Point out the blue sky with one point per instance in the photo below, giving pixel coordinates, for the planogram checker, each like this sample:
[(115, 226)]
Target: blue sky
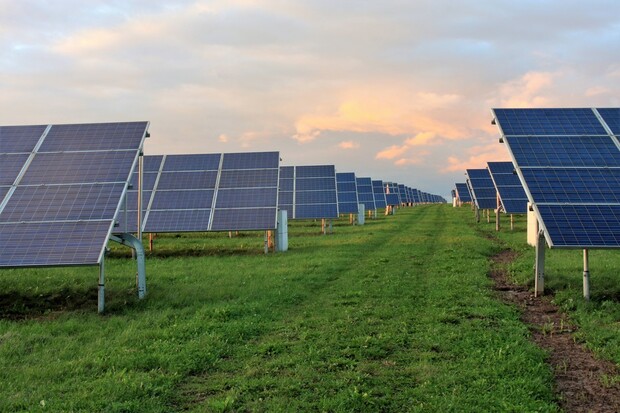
[(396, 90)]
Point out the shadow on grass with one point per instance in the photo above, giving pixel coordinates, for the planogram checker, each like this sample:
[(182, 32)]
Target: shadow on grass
[(17, 305)]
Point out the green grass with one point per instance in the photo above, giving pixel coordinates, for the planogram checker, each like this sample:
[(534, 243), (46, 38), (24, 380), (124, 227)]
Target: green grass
[(598, 319), (396, 315)]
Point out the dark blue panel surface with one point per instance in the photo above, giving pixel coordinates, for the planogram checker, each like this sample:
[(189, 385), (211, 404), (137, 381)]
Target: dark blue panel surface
[(564, 151), (392, 199), (611, 116), (152, 163), (245, 198), (247, 219), (94, 136), (347, 197), (63, 202), (148, 181), (315, 197), (515, 206), (504, 167), (483, 193), (573, 185), (79, 167), (344, 187), (14, 139), (3, 192), (287, 172), (195, 162), (10, 166), (316, 211), (582, 225), (348, 207), (345, 177), (314, 184), (573, 121), (261, 178), (32, 244), (286, 184), (285, 198), (507, 183), (315, 171), (191, 220), (186, 199), (187, 180), (378, 192), (463, 192), (252, 160)]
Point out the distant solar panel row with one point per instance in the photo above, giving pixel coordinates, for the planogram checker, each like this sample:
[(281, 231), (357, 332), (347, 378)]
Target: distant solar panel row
[(512, 195), (206, 192), (308, 192), (62, 186), (569, 161), (365, 193), (481, 188), (462, 192), (379, 193), (347, 193)]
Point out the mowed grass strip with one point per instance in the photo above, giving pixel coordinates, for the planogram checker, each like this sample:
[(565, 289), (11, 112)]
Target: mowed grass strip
[(397, 315), (599, 318)]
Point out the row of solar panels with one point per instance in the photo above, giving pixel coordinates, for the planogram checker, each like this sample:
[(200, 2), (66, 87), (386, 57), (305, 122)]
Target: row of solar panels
[(242, 191), (567, 163), (63, 188), (496, 185)]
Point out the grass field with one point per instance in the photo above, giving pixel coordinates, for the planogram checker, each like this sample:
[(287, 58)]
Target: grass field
[(396, 315)]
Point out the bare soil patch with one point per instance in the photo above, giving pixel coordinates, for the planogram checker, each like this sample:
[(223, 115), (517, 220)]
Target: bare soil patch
[(580, 378)]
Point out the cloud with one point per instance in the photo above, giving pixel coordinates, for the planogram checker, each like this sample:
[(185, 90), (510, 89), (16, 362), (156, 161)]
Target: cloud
[(223, 138), (477, 157), (530, 90), (349, 145)]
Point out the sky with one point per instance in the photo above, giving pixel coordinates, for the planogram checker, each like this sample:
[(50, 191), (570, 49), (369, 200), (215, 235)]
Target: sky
[(398, 90)]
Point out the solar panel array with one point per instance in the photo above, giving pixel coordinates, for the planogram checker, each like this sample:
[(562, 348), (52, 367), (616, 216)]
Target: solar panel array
[(365, 193), (308, 192), (379, 193), (511, 193), (569, 163), (347, 193), (481, 188), (207, 192), (462, 192), (60, 188)]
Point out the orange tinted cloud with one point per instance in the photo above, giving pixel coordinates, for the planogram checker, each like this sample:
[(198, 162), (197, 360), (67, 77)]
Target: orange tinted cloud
[(348, 145), (529, 90), (478, 157)]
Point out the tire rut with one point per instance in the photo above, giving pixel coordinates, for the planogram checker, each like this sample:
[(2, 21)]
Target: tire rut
[(579, 376)]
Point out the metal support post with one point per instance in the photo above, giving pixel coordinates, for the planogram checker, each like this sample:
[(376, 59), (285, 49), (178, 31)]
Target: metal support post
[(512, 222), (266, 242), (586, 275), (101, 288), (539, 280), (133, 242)]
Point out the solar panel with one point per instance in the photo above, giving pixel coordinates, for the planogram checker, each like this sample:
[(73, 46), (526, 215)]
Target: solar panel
[(65, 192), (392, 198), (536, 122), (462, 192), (482, 189), (379, 194), (209, 192), (347, 193), (611, 116), (312, 190), (20, 139), (512, 195), (365, 194), (571, 178)]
